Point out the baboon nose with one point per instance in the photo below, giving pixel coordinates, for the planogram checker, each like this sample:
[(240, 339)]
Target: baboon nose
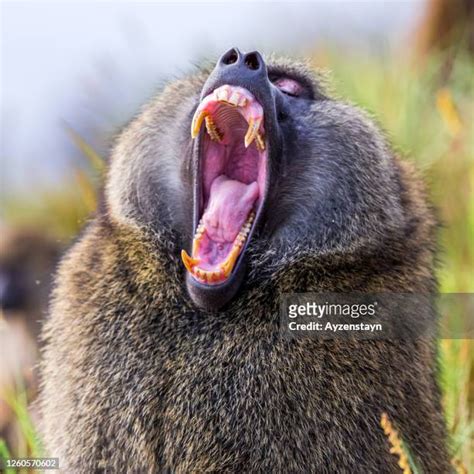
[(243, 65)]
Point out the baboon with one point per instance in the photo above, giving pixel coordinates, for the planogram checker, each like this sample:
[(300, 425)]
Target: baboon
[(163, 347)]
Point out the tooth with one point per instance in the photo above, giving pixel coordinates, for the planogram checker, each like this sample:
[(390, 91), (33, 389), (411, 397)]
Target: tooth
[(196, 241), (229, 263), (234, 99), (212, 130), (226, 269), (216, 276), (252, 131), (188, 261), (242, 101), (206, 275), (197, 122), (222, 94), (260, 142), (250, 135)]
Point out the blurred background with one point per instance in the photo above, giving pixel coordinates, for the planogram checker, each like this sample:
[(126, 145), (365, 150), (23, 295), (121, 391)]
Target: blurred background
[(72, 74)]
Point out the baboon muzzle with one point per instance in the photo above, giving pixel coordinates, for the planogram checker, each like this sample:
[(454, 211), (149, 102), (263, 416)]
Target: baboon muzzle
[(232, 128)]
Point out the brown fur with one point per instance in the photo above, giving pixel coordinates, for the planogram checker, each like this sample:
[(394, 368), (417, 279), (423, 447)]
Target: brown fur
[(137, 379)]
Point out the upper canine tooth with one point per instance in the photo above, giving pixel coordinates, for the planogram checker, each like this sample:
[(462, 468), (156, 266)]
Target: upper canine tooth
[(199, 116), (252, 131)]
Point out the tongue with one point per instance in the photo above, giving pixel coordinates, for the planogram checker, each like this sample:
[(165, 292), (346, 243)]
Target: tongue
[(230, 203)]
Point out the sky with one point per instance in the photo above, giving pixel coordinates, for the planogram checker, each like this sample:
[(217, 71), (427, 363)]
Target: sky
[(89, 65)]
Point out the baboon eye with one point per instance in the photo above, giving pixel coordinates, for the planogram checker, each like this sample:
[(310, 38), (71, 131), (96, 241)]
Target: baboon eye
[(289, 86)]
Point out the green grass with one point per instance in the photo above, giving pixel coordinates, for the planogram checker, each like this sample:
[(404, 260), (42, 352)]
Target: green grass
[(28, 443), (4, 455), (427, 112)]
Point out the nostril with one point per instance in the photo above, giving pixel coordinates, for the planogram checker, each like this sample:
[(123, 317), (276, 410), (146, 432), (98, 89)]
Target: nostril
[(252, 61), (231, 57)]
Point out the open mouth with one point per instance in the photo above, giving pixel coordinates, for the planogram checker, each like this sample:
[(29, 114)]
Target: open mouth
[(231, 181)]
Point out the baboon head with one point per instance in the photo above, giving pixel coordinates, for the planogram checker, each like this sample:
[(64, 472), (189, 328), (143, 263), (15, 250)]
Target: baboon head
[(250, 165)]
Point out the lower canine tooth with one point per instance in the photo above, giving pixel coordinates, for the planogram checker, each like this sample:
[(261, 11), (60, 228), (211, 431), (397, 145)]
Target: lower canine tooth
[(188, 261)]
